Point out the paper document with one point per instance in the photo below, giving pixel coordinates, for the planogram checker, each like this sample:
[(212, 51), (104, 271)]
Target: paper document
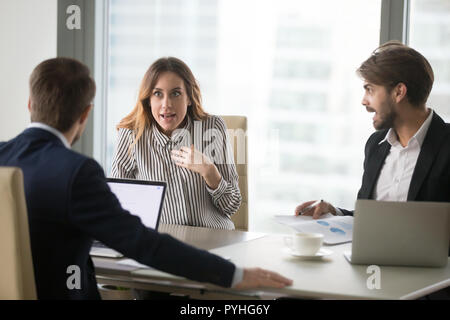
[(336, 229)]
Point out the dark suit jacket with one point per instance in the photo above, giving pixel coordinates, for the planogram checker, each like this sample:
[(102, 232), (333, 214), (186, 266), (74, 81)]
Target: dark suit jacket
[(431, 177), (70, 204)]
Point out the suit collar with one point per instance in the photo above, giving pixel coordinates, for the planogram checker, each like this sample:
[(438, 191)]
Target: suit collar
[(430, 148), (374, 164), (52, 130), (34, 133)]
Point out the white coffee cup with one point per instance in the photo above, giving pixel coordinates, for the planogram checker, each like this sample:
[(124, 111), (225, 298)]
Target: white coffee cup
[(304, 243)]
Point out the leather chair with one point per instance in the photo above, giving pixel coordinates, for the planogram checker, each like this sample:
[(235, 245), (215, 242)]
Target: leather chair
[(239, 143), (16, 265)]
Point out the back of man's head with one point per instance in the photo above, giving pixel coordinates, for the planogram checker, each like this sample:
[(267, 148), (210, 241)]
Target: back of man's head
[(393, 63), (60, 91)]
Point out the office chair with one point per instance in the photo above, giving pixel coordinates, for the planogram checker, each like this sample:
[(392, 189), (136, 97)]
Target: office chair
[(16, 265), (240, 218)]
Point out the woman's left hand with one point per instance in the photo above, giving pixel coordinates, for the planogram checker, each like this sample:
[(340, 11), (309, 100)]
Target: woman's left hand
[(194, 160)]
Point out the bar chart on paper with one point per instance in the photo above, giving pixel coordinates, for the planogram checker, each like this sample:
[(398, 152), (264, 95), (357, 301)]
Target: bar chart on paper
[(336, 229)]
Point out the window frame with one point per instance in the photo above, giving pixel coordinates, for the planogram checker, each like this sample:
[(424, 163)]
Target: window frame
[(79, 44)]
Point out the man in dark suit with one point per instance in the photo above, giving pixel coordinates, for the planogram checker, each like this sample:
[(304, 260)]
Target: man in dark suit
[(70, 204), (408, 157)]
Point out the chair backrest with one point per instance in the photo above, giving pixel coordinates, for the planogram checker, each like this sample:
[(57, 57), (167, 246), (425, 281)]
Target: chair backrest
[(16, 265), (239, 144)]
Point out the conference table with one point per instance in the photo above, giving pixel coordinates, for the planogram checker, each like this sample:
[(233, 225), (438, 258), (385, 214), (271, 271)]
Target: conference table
[(330, 277)]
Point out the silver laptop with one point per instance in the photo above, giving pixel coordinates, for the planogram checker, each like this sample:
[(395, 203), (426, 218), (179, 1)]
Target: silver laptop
[(141, 198), (400, 233)]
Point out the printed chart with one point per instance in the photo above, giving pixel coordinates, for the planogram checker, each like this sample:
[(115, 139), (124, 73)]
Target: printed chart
[(336, 229)]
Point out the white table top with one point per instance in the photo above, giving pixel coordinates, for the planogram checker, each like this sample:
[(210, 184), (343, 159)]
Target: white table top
[(331, 277)]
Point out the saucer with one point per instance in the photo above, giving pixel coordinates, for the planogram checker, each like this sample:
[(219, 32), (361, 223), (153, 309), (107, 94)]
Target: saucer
[(320, 254)]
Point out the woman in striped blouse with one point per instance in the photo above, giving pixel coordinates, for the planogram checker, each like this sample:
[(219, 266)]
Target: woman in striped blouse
[(168, 137)]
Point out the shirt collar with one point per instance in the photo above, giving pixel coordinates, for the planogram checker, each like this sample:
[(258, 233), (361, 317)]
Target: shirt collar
[(179, 135), (391, 136), (57, 133)]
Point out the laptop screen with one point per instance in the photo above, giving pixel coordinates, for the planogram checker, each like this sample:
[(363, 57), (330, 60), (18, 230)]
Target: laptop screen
[(141, 198)]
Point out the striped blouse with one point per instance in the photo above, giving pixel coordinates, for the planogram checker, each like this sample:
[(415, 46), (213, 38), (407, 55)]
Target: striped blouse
[(189, 200)]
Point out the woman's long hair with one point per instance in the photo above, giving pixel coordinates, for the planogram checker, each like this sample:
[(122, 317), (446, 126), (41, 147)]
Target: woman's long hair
[(141, 115)]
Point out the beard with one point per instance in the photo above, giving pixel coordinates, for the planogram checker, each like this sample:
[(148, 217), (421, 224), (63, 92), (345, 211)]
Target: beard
[(387, 118)]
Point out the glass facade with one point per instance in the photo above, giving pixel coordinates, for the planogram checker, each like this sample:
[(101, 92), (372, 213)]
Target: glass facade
[(430, 35), (288, 65)]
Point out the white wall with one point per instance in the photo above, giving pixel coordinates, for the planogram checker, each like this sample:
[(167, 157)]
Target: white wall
[(27, 37)]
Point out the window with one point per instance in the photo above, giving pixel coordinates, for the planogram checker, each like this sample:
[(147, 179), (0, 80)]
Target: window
[(288, 65), (430, 35)]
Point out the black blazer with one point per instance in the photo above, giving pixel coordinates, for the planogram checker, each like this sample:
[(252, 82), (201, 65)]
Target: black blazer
[(70, 204), (431, 176)]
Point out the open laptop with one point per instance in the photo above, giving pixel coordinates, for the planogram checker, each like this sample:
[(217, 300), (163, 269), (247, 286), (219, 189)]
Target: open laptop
[(400, 233), (141, 198)]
